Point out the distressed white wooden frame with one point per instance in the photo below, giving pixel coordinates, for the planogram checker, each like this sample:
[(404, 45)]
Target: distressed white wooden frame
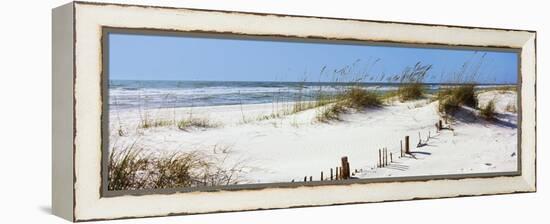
[(77, 118)]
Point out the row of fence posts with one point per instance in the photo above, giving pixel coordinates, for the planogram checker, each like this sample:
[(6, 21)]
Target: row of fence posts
[(338, 173), (383, 158), (343, 172)]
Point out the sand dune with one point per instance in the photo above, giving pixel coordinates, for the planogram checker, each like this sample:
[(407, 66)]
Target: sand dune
[(290, 147)]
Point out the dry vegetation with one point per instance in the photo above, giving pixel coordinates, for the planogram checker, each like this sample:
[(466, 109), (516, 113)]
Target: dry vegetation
[(133, 168), (193, 122), (354, 98), (488, 111), (411, 78), (452, 98), (511, 108)]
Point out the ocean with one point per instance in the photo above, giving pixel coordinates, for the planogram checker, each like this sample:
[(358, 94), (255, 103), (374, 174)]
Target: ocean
[(132, 94)]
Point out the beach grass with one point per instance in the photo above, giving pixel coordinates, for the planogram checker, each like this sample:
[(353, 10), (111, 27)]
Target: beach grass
[(411, 79), (488, 111), (147, 123), (124, 168), (330, 112), (195, 122), (410, 91), (452, 98), (353, 98), (511, 108), (132, 168), (360, 98)]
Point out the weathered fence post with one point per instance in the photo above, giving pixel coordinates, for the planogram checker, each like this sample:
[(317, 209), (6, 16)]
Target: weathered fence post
[(379, 158), (305, 179), (391, 157), (385, 157), (310, 178), (387, 154), (337, 174), (321, 175), (407, 145), (331, 174), (345, 168), (401, 147)]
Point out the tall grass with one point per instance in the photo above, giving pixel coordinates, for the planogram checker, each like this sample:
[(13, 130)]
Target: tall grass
[(124, 168), (330, 112), (359, 98), (132, 168), (452, 98), (411, 79), (354, 98)]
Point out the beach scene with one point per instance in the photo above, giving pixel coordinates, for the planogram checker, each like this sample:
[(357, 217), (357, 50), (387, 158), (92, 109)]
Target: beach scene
[(191, 111)]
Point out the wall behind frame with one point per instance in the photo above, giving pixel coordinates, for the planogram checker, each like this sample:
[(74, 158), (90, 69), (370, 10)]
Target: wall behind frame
[(62, 111)]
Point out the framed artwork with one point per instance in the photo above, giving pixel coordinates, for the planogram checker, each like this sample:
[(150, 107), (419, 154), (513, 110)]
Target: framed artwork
[(165, 111)]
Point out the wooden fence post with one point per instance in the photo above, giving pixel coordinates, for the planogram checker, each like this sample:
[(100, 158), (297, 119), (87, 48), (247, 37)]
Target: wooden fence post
[(337, 174), (407, 145), (387, 154), (383, 160), (379, 158), (391, 157), (305, 179), (345, 168), (401, 147), (321, 175), (310, 178), (331, 174)]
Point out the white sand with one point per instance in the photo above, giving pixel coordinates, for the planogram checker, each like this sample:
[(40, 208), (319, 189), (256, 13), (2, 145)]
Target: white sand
[(294, 146)]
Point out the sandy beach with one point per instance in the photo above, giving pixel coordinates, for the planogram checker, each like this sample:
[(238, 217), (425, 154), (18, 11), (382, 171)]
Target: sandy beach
[(287, 148)]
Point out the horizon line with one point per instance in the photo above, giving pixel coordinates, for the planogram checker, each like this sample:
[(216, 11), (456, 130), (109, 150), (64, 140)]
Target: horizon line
[(328, 82)]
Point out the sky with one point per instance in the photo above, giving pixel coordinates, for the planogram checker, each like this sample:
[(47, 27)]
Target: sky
[(156, 57)]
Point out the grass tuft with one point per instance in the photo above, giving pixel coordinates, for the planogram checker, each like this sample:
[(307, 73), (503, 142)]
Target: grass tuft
[(511, 108), (330, 112), (488, 112), (146, 123), (192, 122), (359, 98), (355, 97), (124, 169), (133, 169), (410, 91), (452, 98)]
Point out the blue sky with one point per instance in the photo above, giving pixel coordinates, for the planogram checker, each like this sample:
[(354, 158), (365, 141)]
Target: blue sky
[(151, 57)]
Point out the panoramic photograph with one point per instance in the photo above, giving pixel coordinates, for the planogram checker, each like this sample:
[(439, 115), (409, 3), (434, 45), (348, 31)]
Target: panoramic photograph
[(201, 111)]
